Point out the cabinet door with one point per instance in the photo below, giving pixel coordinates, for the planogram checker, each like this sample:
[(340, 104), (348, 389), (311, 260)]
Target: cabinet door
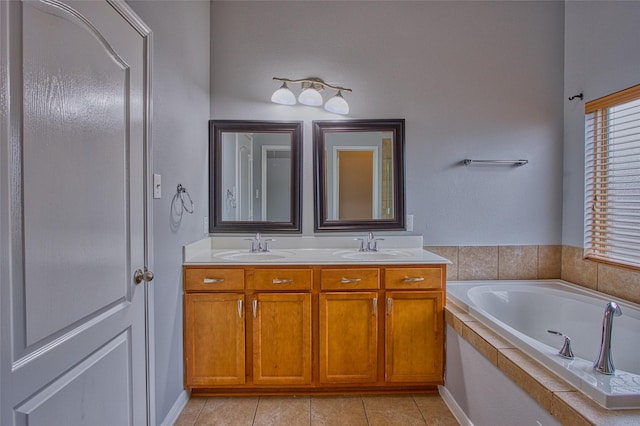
[(414, 337), (281, 338), (348, 337), (214, 346)]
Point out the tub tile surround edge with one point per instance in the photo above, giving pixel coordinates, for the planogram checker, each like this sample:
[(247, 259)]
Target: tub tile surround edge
[(526, 262), (613, 280), (508, 262), (558, 397)]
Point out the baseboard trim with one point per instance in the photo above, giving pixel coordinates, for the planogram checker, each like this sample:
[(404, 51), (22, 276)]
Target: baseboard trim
[(455, 409), (176, 409)]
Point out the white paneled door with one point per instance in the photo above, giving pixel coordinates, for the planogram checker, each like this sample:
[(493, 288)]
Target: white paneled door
[(74, 106)]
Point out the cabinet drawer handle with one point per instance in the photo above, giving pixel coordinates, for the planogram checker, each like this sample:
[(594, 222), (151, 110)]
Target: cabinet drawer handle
[(350, 280), (240, 308), (282, 281), (413, 279), (375, 306), (213, 280)]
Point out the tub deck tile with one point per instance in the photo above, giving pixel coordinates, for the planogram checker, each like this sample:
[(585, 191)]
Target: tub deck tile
[(537, 371), (456, 317), (484, 340), (481, 345), (570, 406), (460, 314)]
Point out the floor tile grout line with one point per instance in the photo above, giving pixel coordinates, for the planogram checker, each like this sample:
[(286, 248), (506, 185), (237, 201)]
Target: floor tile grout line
[(255, 411), (413, 398), (364, 407), (200, 411)]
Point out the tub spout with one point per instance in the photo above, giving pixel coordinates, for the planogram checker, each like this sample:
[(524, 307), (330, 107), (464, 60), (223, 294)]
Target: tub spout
[(604, 362)]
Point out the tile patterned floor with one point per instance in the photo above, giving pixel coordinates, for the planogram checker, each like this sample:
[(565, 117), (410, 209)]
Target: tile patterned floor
[(401, 410)]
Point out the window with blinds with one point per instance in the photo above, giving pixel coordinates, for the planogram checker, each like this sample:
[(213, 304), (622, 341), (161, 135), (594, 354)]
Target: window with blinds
[(612, 198)]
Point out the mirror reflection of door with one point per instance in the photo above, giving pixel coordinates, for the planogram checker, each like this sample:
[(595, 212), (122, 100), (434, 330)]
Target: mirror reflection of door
[(256, 177), (386, 201), (276, 183), (360, 176), (356, 193), (355, 184), (244, 177), (237, 180)]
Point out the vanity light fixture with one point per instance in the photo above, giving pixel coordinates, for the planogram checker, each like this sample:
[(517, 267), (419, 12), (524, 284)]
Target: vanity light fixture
[(310, 94), (283, 96), (337, 104)]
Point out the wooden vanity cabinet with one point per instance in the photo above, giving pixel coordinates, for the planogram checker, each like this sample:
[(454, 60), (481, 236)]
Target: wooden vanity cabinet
[(349, 325), (316, 328), (214, 327), (281, 326), (414, 329)]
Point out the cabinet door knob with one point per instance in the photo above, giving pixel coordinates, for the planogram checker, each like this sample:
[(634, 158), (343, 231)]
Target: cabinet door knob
[(350, 280), (389, 305), (413, 279), (375, 306), (213, 280), (255, 307), (240, 308)]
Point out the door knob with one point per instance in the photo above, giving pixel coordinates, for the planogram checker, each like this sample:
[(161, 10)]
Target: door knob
[(139, 276)]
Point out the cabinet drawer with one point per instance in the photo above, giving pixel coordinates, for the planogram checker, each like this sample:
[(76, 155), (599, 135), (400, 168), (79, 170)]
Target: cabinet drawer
[(345, 279), (408, 278), (213, 279), (280, 279)]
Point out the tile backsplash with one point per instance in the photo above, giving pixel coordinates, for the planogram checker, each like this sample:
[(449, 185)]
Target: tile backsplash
[(539, 262)]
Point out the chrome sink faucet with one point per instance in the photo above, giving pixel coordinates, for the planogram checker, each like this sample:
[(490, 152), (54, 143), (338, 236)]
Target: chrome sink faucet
[(371, 243), (259, 244), (604, 362)]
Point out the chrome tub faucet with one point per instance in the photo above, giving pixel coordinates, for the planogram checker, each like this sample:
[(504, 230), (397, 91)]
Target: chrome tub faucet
[(565, 351), (604, 363)]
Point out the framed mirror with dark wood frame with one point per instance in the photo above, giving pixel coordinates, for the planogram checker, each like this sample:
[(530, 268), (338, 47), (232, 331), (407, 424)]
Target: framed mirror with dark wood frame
[(359, 175), (255, 170)]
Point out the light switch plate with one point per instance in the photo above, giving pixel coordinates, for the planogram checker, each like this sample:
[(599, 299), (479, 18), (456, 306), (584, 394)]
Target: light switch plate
[(157, 185)]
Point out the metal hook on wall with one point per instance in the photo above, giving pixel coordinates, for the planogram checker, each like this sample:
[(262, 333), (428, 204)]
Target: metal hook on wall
[(578, 96)]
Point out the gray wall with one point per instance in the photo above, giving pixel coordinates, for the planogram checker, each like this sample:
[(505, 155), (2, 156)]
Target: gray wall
[(602, 56), (472, 79), (180, 134)]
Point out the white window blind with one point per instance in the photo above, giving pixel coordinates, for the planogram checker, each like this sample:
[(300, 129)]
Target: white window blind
[(612, 225)]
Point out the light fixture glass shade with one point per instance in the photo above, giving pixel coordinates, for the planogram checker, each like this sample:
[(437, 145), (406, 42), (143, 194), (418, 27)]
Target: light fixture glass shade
[(310, 96), (283, 96), (337, 104)]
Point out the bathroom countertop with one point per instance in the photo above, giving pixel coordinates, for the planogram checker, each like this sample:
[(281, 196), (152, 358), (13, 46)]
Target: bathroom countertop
[(287, 250)]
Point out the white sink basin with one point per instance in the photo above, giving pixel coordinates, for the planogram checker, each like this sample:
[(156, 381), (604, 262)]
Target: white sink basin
[(372, 255), (246, 256)]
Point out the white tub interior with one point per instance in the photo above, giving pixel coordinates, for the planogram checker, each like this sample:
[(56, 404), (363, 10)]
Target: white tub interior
[(523, 311)]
